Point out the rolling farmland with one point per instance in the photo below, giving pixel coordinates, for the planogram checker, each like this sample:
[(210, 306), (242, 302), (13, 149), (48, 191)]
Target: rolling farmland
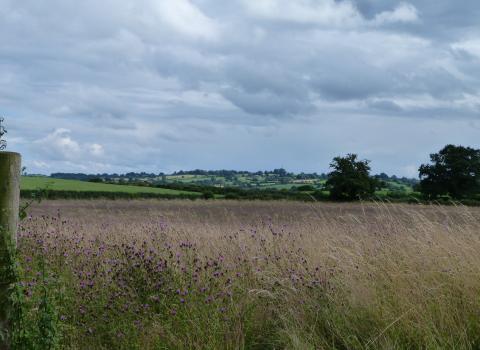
[(34, 183)]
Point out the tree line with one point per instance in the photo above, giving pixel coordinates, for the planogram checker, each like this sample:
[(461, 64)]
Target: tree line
[(453, 173)]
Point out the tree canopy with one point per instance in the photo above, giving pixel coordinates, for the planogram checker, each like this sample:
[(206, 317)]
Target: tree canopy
[(350, 178), (455, 171)]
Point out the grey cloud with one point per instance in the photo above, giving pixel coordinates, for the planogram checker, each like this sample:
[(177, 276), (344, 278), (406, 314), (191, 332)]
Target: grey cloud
[(167, 75), (354, 81), (443, 20), (384, 106), (267, 103)]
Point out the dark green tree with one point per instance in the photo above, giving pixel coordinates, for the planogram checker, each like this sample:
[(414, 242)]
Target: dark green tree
[(455, 171), (208, 195), (350, 178)]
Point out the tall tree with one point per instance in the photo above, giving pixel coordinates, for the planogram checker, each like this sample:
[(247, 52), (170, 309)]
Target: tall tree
[(350, 178), (455, 171)]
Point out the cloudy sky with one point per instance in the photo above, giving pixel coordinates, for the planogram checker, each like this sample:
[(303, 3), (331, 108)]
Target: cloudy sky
[(162, 85)]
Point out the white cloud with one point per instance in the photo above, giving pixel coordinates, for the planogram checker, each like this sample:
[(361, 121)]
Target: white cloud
[(403, 13), (186, 18), (320, 12), (96, 149), (40, 164), (331, 13), (60, 145), (471, 46)]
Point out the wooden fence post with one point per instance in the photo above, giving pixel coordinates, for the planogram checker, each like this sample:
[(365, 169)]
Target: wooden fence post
[(10, 167)]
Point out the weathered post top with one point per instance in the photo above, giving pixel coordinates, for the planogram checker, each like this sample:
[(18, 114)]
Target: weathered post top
[(3, 131)]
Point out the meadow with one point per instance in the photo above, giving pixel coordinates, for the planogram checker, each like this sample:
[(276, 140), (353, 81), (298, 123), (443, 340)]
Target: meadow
[(34, 183), (251, 275)]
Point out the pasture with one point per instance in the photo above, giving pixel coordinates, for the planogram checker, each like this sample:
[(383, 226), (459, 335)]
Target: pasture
[(43, 182), (254, 275)]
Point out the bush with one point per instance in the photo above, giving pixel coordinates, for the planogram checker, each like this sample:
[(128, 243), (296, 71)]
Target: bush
[(208, 195), (305, 188)]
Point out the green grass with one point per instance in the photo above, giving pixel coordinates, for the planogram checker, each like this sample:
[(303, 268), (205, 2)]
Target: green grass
[(34, 183), (242, 181), (278, 186)]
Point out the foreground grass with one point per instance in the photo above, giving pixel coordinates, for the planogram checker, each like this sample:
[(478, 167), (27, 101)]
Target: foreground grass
[(225, 275), (37, 182)]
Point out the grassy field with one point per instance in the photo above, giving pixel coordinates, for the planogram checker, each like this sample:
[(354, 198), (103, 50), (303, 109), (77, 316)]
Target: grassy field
[(33, 183), (243, 181), (251, 275), (76, 189)]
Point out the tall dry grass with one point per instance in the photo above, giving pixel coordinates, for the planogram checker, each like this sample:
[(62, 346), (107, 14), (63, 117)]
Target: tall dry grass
[(256, 275)]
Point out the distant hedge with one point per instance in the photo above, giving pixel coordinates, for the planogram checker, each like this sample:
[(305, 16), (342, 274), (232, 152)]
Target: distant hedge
[(229, 194), (247, 194), (235, 194), (56, 194)]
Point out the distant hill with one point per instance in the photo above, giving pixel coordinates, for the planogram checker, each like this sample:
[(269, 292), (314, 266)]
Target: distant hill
[(273, 179)]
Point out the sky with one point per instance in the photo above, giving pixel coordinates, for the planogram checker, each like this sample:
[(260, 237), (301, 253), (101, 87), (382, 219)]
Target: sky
[(163, 85)]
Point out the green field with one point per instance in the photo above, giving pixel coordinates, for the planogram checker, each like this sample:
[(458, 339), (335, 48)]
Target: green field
[(34, 183), (242, 181), (252, 187)]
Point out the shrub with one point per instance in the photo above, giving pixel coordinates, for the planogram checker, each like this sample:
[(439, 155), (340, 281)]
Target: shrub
[(208, 195)]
